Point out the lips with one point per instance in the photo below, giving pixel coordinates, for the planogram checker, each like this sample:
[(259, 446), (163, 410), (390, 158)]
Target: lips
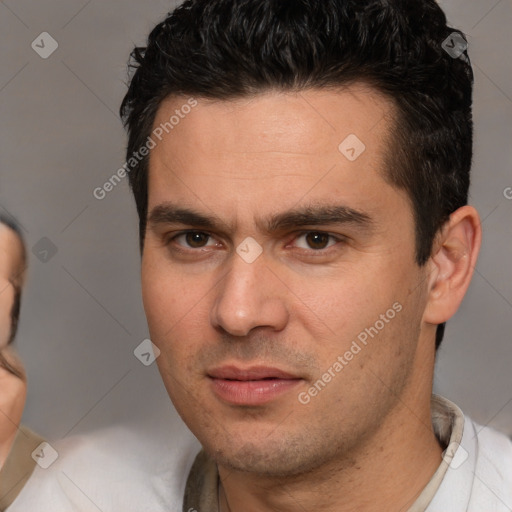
[(253, 373), (251, 386)]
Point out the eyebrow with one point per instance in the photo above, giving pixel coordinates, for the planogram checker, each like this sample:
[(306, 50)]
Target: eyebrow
[(310, 215), (318, 215)]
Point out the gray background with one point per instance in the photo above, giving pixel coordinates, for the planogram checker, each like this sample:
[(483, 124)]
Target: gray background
[(82, 316)]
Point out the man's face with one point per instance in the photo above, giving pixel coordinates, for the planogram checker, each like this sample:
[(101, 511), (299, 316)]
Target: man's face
[(245, 340), (11, 257)]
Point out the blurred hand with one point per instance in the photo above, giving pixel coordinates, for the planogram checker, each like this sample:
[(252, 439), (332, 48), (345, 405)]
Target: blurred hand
[(13, 392)]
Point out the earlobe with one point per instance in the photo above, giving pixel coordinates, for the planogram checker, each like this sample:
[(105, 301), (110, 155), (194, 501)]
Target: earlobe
[(452, 263)]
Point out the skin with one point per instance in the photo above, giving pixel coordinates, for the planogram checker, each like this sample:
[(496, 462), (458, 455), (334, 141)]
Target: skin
[(13, 389), (366, 438), (12, 402), (11, 273)]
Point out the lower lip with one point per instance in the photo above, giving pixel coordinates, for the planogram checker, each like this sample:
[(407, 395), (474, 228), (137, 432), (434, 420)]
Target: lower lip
[(252, 392)]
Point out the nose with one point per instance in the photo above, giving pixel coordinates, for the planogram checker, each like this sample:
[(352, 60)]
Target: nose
[(249, 296)]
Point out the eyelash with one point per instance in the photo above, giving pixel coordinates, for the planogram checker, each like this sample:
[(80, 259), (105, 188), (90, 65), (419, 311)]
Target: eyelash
[(178, 248)]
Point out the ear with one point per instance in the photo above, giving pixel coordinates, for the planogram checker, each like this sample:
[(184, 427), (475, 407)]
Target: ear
[(452, 263)]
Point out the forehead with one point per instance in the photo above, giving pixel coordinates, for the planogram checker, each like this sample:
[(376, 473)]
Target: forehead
[(317, 142), (282, 120)]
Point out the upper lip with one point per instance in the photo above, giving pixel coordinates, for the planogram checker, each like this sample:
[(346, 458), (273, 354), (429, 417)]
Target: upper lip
[(252, 373)]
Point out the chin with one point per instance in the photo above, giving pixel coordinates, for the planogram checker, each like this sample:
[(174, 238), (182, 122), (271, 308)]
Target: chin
[(277, 458)]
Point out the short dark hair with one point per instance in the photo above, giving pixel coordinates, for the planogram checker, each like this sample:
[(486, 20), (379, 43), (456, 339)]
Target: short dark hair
[(227, 49)]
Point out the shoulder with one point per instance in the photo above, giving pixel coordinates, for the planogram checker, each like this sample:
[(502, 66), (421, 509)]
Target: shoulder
[(117, 468), (479, 475), (478, 462), (493, 468)]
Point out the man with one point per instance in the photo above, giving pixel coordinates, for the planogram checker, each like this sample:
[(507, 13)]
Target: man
[(301, 172), (16, 442)]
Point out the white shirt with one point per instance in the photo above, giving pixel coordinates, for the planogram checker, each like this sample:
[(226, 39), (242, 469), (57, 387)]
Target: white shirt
[(122, 469), (479, 477)]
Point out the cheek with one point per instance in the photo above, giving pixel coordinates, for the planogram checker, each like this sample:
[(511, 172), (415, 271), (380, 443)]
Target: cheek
[(347, 301), (361, 304), (174, 307), (160, 288)]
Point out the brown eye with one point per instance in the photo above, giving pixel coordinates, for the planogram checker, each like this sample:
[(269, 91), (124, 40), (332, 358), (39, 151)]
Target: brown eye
[(191, 240), (317, 240), (196, 240)]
